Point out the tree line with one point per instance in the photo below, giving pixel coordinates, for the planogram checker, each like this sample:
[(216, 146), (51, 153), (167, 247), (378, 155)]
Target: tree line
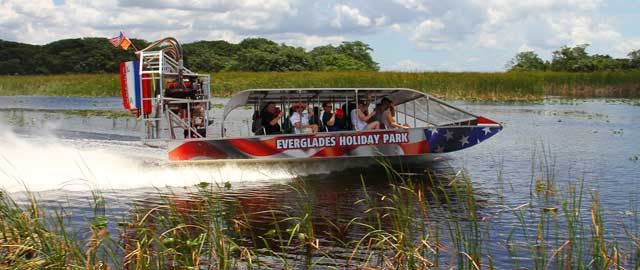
[(573, 59), (97, 55)]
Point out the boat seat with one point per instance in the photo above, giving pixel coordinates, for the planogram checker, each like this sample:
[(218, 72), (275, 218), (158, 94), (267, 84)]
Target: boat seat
[(256, 124)]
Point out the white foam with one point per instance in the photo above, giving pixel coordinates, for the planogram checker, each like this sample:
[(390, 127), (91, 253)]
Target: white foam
[(47, 163)]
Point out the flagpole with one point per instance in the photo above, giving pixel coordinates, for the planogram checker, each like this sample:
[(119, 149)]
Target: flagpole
[(133, 45), (130, 41)]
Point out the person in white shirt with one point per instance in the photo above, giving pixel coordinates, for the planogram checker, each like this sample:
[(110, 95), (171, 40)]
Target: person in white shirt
[(300, 119), (360, 120), (388, 120)]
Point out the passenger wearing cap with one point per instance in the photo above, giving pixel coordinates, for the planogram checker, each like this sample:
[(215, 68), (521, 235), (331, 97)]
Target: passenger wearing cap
[(359, 118), (300, 119)]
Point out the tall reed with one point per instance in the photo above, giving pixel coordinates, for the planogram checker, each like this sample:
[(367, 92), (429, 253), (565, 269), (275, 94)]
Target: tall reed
[(422, 220), (496, 86)]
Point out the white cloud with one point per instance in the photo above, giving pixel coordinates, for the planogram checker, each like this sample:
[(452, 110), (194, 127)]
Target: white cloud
[(429, 34), (285, 6), (624, 47), (347, 17), (508, 24), (457, 25), (41, 21), (380, 21), (396, 27), (488, 40), (581, 29), (525, 48), (418, 5), (307, 41)]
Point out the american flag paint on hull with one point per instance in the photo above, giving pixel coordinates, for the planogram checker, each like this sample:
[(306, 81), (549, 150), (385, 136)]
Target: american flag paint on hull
[(411, 142)]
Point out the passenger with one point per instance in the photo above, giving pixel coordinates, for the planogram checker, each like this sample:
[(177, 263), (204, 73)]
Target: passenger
[(388, 120), (270, 118), (341, 122), (346, 109), (300, 119), (314, 118), (379, 111), (328, 118), (197, 122), (359, 118)]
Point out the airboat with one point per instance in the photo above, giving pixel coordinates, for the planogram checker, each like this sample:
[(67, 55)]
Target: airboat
[(174, 104)]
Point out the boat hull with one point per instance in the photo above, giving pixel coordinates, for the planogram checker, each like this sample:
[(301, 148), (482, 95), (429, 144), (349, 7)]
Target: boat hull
[(411, 142)]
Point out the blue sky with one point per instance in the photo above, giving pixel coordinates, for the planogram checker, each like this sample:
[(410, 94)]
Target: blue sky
[(454, 35)]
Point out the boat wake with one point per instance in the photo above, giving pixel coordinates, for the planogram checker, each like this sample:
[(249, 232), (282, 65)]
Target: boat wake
[(48, 162)]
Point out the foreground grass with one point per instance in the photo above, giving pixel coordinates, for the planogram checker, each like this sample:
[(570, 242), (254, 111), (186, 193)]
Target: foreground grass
[(463, 86), (419, 222)]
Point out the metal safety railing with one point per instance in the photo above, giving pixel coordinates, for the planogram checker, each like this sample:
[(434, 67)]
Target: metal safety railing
[(167, 114)]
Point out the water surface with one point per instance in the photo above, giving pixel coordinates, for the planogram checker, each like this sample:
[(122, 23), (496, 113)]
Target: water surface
[(51, 149)]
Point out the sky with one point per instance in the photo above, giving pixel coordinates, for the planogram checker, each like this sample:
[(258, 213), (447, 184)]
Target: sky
[(406, 35)]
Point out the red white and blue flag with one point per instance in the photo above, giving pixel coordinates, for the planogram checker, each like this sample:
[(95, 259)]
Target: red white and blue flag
[(115, 41)]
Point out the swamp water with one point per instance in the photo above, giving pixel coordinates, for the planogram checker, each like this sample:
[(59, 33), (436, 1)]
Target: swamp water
[(502, 203)]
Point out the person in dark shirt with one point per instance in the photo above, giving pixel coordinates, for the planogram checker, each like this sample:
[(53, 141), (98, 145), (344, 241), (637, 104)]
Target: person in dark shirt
[(270, 119), (328, 118)]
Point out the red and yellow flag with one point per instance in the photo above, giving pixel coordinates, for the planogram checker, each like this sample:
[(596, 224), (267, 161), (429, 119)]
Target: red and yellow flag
[(121, 41), (125, 43)]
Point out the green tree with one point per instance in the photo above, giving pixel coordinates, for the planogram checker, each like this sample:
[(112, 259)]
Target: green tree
[(347, 56), (574, 59), (17, 58), (293, 59), (359, 51), (634, 59), (95, 55), (606, 62), (256, 60), (526, 61), (207, 56), (335, 62), (323, 50), (261, 44)]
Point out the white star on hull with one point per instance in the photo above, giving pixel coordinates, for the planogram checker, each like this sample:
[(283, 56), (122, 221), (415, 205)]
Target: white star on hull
[(449, 135), (464, 140)]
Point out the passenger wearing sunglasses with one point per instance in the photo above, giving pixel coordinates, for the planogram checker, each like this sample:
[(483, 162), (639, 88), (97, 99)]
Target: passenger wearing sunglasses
[(328, 118)]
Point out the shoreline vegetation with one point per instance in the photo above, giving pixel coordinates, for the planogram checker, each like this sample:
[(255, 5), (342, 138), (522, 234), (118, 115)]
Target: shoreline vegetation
[(471, 86), (88, 67), (423, 221)]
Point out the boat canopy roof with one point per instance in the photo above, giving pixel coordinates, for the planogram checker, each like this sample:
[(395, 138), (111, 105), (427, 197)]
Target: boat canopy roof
[(289, 95)]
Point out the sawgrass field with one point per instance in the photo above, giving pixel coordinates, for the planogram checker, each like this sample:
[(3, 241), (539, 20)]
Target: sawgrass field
[(497, 86)]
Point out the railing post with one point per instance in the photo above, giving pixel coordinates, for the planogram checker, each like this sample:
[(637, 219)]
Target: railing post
[(189, 124), (415, 122), (404, 109), (428, 102)]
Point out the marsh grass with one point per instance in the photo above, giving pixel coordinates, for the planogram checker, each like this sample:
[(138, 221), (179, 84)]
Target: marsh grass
[(34, 238), (79, 113), (421, 221), (475, 86), (61, 85)]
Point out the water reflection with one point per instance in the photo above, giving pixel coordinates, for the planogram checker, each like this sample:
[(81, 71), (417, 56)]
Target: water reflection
[(334, 219)]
